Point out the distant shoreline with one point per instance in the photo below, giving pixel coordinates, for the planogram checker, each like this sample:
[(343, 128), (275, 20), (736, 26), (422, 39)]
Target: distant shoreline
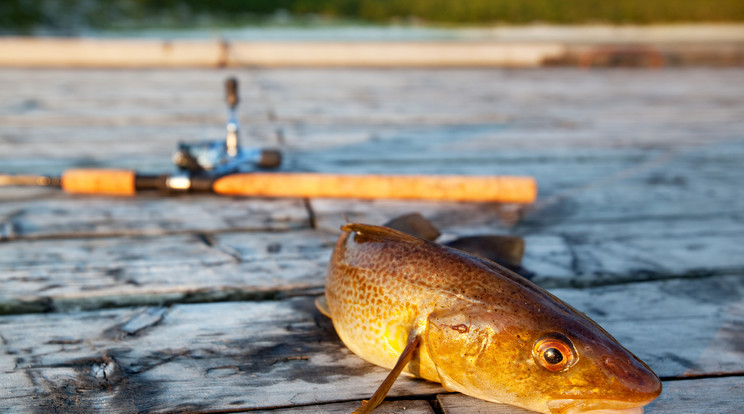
[(526, 46), (534, 33)]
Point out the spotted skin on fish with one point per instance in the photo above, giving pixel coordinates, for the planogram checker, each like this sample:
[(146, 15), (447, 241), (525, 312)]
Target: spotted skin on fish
[(414, 306)]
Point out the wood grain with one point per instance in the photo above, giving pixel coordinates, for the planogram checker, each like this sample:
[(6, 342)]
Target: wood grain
[(638, 224), (99, 216), (387, 407), (63, 275), (60, 52), (710, 395), (188, 357), (238, 355)]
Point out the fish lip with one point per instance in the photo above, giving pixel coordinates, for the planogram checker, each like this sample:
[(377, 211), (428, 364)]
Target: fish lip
[(589, 406)]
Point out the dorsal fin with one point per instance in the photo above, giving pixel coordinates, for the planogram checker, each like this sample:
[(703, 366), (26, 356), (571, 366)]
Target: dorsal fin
[(368, 232), (416, 225), (502, 249)]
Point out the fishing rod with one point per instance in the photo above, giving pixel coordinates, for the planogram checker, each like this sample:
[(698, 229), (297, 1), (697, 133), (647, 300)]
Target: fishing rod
[(224, 167), (511, 189)]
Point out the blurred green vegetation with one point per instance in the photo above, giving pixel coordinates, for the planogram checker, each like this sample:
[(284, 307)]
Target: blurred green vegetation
[(25, 16), (489, 11)]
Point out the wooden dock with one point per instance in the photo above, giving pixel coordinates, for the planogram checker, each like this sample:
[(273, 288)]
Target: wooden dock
[(200, 303)]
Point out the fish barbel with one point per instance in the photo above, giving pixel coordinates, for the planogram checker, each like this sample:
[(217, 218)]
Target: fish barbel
[(434, 312)]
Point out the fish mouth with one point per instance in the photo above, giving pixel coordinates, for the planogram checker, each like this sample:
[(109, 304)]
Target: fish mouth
[(597, 406)]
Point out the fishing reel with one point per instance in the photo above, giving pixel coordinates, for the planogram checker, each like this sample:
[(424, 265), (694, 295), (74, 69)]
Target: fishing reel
[(216, 158)]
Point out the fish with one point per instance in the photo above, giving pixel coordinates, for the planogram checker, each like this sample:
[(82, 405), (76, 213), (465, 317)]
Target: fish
[(431, 311)]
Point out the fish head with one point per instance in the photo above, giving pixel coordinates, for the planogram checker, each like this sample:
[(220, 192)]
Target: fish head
[(560, 363), (590, 372)]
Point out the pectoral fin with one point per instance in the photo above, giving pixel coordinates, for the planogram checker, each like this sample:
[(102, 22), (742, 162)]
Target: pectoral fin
[(367, 406), (321, 302)]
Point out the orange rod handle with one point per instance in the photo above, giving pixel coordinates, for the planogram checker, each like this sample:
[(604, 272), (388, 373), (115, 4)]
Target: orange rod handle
[(507, 189), (94, 181)]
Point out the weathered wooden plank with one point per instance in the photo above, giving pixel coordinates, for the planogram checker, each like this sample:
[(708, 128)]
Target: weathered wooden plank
[(564, 260), (240, 355), (387, 407), (50, 52), (711, 310), (86, 216), (598, 185), (227, 356), (674, 216), (83, 273), (691, 223), (104, 93), (459, 403), (127, 53), (52, 148), (63, 275), (639, 174), (531, 109), (569, 252), (392, 54), (537, 105), (709, 395), (458, 121), (693, 197)]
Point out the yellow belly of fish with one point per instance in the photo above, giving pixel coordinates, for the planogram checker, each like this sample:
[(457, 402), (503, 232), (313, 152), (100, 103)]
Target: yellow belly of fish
[(381, 334)]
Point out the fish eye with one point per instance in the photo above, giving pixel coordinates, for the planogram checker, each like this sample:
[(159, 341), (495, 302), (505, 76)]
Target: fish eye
[(554, 352)]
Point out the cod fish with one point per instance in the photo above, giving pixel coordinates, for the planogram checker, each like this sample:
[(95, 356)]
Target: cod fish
[(414, 306)]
